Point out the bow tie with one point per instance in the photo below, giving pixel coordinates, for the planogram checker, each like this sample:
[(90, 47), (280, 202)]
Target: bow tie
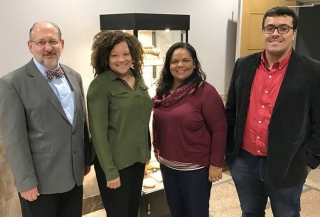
[(57, 72)]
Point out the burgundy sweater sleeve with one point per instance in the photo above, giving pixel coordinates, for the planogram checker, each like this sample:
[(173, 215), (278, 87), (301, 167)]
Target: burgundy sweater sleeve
[(214, 115), (153, 138)]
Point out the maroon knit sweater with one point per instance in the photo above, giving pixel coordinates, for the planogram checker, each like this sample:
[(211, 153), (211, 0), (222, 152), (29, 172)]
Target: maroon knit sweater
[(193, 130)]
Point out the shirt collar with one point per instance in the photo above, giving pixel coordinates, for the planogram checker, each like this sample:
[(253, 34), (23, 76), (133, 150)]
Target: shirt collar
[(280, 64), (42, 68), (113, 76)]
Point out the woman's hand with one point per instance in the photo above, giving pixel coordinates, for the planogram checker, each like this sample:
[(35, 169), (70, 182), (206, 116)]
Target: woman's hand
[(113, 184), (215, 173)]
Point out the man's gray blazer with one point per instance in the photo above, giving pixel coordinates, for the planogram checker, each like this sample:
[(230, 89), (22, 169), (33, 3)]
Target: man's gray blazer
[(42, 147)]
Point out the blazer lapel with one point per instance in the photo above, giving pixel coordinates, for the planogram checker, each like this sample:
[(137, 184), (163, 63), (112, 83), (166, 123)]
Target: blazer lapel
[(248, 80), (40, 83), (288, 77)]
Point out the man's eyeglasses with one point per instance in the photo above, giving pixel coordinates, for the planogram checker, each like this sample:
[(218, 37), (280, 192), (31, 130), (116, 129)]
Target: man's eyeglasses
[(282, 29), (43, 43)]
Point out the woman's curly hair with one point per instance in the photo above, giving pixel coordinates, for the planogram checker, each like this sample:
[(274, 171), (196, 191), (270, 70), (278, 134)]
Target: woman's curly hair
[(103, 43)]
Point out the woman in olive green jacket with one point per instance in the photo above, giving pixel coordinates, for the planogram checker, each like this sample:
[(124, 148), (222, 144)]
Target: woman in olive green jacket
[(119, 111)]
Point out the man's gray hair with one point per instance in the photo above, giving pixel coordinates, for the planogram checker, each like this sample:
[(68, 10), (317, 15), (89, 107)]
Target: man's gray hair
[(55, 25)]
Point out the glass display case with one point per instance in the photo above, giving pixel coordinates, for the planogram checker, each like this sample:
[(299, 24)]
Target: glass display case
[(156, 32)]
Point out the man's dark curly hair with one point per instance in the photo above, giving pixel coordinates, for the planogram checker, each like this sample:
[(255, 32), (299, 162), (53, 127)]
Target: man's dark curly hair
[(103, 43), (166, 79), (282, 11)]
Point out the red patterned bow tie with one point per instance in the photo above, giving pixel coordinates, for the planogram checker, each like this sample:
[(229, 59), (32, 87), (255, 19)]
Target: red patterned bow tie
[(57, 72)]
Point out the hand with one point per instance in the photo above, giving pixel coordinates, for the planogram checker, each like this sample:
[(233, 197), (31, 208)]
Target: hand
[(30, 194), (309, 169), (215, 173), (113, 184), (87, 170)]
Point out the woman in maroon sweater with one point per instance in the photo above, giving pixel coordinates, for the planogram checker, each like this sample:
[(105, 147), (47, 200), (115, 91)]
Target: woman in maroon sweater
[(189, 128)]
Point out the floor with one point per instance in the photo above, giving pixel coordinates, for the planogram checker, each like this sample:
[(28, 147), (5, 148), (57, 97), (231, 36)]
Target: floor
[(99, 213), (224, 201)]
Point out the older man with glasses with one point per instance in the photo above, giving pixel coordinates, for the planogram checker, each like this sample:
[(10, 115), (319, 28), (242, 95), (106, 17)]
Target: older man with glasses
[(273, 120), (44, 131)]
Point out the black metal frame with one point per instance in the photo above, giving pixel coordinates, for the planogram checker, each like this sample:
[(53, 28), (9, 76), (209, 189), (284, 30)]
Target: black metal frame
[(143, 21)]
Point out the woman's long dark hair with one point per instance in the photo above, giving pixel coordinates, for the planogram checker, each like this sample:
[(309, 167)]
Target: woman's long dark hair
[(166, 79)]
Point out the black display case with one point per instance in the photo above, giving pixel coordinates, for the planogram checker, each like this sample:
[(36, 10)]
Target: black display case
[(143, 21)]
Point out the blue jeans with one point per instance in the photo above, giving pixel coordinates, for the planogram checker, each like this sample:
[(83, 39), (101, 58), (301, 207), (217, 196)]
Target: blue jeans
[(187, 192), (249, 175)]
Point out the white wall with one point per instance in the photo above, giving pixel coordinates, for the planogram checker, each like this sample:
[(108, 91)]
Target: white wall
[(212, 30)]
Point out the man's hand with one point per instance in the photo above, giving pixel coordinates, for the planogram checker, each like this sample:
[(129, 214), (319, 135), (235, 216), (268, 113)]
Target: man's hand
[(30, 194), (215, 173), (113, 184)]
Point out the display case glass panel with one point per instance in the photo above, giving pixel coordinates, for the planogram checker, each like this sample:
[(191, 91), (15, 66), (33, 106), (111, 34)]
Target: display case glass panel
[(155, 45)]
